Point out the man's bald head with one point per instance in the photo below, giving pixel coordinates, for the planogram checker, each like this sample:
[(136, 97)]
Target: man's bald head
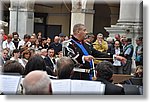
[(34, 76), (56, 39), (37, 82)]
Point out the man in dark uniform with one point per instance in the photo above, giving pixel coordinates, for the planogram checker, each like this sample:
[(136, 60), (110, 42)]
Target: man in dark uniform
[(81, 52)]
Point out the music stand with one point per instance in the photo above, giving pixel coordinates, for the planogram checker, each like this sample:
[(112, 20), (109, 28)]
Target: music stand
[(118, 78)]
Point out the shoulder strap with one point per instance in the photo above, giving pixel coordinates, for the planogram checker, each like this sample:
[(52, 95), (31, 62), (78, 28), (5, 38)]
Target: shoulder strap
[(81, 47)]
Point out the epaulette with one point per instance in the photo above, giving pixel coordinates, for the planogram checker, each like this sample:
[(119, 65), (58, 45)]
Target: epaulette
[(66, 43)]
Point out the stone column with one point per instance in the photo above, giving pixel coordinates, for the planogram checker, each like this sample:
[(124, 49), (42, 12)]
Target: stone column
[(130, 11), (82, 12), (130, 19), (21, 17)]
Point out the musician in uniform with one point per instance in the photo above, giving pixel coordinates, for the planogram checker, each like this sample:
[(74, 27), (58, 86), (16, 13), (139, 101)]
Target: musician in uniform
[(81, 52)]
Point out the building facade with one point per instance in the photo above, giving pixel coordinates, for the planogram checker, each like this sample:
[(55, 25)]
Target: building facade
[(51, 18)]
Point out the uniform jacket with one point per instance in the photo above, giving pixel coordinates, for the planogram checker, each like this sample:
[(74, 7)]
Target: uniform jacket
[(71, 49)]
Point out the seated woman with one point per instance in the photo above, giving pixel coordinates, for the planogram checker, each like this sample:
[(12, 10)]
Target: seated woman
[(26, 54)]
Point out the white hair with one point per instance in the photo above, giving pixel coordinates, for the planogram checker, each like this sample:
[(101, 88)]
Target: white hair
[(43, 50), (109, 39)]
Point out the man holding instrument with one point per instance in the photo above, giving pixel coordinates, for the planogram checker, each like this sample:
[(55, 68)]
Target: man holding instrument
[(81, 52)]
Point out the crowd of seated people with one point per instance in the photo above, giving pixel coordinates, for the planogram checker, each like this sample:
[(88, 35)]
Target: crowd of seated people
[(34, 55), (37, 44)]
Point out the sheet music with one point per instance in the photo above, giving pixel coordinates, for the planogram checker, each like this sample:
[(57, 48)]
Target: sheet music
[(87, 87), (9, 84), (60, 86), (73, 87)]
